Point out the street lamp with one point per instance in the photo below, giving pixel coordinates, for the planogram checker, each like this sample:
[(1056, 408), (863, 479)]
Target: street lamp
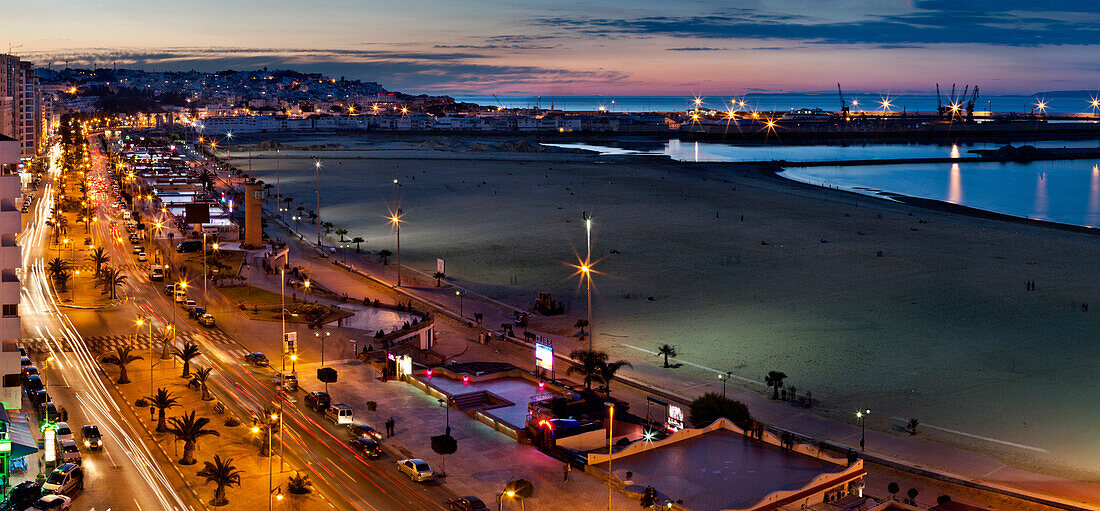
[(317, 190), (724, 377), (610, 436), (447, 404), (862, 416), (396, 219), (321, 336), (460, 294)]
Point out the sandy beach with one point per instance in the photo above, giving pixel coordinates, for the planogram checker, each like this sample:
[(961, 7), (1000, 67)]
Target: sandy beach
[(912, 312)]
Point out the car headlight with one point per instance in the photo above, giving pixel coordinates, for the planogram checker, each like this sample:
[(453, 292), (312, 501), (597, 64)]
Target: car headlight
[(99, 442), (87, 443)]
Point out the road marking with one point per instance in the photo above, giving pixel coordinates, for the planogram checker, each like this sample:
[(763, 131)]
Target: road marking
[(711, 369), (977, 437)]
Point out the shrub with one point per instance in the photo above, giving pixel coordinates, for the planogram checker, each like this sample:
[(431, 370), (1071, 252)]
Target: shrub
[(713, 406), (232, 422), (141, 403)]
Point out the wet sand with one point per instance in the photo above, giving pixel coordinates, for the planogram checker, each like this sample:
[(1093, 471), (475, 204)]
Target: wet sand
[(939, 327)]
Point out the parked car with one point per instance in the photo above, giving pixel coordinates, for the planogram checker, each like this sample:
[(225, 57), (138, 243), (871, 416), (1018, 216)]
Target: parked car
[(91, 437), (339, 413), (367, 447), (142, 257), (189, 246), (468, 503), (68, 452), (24, 362), (63, 432), (256, 358), (33, 383), (157, 273), (48, 412), (23, 496), (195, 311), (51, 503), (39, 397), (417, 469), (318, 401), (206, 319), (364, 431), (29, 371), (170, 289), (290, 381), (65, 479), (181, 295)]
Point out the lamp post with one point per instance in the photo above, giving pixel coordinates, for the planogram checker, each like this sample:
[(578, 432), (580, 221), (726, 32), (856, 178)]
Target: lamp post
[(586, 273), (724, 377), (203, 262), (446, 403), (396, 218), (862, 416), (610, 436), (460, 294), (317, 190), (321, 337)]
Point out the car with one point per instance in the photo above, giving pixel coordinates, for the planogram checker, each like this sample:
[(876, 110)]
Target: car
[(290, 381), (64, 432), (68, 452), (189, 246), (256, 358), (467, 503), (29, 371), (51, 503), (318, 401), (138, 249), (194, 311), (39, 397), (417, 469), (22, 350), (48, 411), (339, 413), (367, 447), (189, 304), (169, 289), (156, 273), (33, 383), (364, 431), (65, 479), (181, 295), (93, 440), (206, 319), (142, 257), (23, 496)]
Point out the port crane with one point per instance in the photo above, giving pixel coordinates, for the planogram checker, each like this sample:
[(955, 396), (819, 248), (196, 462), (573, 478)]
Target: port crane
[(843, 104), (940, 109), (970, 104)]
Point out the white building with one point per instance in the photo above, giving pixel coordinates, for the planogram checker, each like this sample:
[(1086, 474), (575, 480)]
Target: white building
[(11, 259)]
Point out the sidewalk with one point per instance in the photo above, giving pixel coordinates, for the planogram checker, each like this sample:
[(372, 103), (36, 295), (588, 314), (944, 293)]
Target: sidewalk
[(486, 459)]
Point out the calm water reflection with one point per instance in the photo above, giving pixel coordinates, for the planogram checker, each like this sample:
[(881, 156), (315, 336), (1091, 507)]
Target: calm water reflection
[(1057, 191), (718, 152)]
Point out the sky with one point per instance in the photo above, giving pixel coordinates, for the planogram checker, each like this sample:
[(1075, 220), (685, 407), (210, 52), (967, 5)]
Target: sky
[(586, 47)]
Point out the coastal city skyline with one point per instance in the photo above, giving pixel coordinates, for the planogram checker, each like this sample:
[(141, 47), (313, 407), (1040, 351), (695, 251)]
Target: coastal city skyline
[(587, 48)]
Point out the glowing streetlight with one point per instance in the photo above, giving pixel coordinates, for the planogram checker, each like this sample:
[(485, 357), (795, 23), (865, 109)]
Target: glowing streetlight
[(317, 177), (862, 416), (395, 219)]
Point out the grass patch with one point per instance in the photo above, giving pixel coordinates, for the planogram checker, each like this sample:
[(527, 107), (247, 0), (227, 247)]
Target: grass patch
[(264, 305)]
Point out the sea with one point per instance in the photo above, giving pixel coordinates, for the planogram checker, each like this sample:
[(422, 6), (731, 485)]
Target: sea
[(1053, 102)]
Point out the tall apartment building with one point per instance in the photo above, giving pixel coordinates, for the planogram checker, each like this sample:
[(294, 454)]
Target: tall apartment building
[(11, 259), (21, 104)]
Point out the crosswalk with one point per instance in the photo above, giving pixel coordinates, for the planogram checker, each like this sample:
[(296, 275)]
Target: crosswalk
[(134, 341)]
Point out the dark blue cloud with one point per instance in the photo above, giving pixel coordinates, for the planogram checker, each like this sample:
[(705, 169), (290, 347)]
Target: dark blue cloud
[(960, 25), (696, 48)]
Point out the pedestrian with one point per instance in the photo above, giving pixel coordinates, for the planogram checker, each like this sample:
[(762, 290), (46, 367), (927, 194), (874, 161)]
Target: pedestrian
[(389, 427), (64, 414), (566, 468)]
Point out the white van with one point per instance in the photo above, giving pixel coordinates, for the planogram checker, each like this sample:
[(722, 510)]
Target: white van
[(339, 414), (181, 295)]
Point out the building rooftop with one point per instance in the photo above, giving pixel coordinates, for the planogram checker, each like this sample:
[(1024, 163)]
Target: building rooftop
[(722, 470)]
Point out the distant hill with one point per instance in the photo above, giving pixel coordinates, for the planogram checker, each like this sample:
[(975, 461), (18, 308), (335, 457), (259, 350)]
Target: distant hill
[(1065, 93)]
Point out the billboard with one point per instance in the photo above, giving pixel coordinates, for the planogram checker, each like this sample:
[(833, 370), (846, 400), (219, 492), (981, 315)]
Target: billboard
[(290, 342), (675, 421), (544, 355)]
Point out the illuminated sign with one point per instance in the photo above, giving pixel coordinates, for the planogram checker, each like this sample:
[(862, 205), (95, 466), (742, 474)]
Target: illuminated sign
[(404, 365), (290, 342), (50, 439), (544, 356), (675, 420)]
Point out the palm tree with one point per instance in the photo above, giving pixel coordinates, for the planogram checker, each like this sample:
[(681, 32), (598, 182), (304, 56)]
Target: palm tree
[(99, 257), (298, 484), (121, 358), (608, 370), (328, 226), (341, 232), (668, 351), (588, 365), (774, 379), (438, 276), (111, 279), (190, 350), (162, 401), (206, 178), (357, 240), (56, 268), (190, 429), (223, 474), (201, 374), (60, 225), (581, 324), (312, 217), (385, 255)]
